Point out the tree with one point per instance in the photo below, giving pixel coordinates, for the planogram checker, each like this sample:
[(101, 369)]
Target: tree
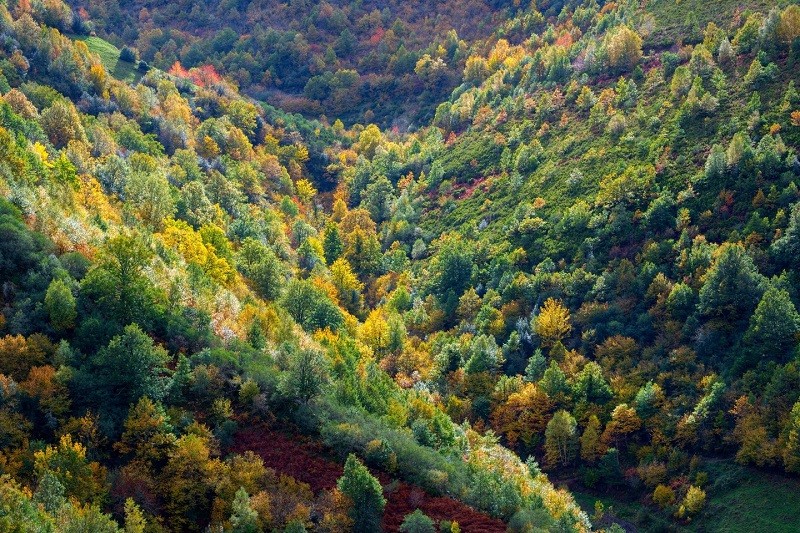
[(536, 366), (624, 48), (113, 391), (786, 249), (591, 385), (591, 446), (417, 522), (523, 416), (791, 451), (554, 382), (789, 26), (774, 325), (186, 483), (732, 287), (148, 436), (259, 263), (663, 496), (451, 271), (366, 494), (716, 164), (67, 463), (60, 305), (305, 373), (693, 502), (553, 322), (348, 287), (485, 355), (50, 493), (148, 196), (332, 243), (118, 284), (244, 518), (624, 422), (310, 306), (378, 199), (62, 123), (135, 521), (561, 439)]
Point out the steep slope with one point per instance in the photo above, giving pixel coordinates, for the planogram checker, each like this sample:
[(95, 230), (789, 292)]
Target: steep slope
[(164, 275)]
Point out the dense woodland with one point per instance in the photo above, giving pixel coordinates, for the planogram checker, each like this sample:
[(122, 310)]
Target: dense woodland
[(559, 248)]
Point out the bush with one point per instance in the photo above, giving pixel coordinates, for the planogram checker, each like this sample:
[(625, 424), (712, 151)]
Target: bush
[(417, 522), (128, 54)]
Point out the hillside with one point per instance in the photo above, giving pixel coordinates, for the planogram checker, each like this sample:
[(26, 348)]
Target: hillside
[(554, 252), (384, 62)]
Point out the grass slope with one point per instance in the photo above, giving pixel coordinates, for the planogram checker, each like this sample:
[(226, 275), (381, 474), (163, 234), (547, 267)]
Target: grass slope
[(739, 500), (109, 55)]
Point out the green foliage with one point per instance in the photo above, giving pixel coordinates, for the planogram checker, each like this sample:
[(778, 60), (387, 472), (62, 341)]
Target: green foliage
[(310, 306), (60, 305), (261, 266), (366, 494), (103, 385), (417, 522), (243, 518)]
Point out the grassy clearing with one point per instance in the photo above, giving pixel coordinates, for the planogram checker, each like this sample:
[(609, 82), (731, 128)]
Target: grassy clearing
[(747, 500), (109, 55), (739, 500)]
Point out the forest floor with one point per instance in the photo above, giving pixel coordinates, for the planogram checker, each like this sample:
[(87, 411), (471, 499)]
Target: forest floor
[(307, 461)]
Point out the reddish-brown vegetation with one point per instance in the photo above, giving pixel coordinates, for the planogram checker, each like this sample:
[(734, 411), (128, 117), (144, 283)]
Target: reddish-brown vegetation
[(303, 459)]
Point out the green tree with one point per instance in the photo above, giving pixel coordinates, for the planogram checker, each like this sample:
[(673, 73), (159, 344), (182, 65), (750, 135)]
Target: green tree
[(485, 355), (554, 382), (244, 518), (451, 271), (791, 450), (305, 373), (591, 386), (148, 196), (60, 305), (262, 267), (118, 285), (110, 389), (732, 287), (50, 493), (786, 249), (774, 325), (332, 243), (310, 306), (417, 522), (366, 494)]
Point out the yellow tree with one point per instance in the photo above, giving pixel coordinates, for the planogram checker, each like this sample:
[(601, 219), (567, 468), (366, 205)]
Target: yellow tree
[(522, 416), (375, 333), (553, 322), (624, 422), (591, 446), (348, 287), (789, 25), (624, 47)]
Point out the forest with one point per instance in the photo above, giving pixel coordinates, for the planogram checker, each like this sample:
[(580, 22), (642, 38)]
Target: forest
[(470, 266)]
